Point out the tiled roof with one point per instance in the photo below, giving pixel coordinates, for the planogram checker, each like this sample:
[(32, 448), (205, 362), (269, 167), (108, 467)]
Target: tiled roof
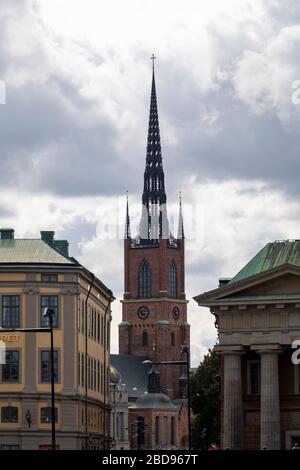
[(30, 251)]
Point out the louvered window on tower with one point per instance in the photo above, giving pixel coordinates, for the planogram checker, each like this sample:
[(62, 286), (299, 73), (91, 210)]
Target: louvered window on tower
[(145, 338), (172, 279), (144, 280)]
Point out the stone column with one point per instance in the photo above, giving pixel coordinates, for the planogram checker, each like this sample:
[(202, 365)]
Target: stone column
[(233, 405), (269, 405)]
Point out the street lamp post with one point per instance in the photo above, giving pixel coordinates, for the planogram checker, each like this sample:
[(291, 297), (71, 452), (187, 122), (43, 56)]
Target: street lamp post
[(28, 418), (184, 350), (114, 432), (48, 313)]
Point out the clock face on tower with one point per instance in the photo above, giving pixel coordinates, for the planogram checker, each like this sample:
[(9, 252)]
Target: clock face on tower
[(143, 313), (176, 313)]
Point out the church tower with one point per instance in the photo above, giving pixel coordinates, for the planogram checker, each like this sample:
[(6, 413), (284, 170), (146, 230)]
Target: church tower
[(154, 306)]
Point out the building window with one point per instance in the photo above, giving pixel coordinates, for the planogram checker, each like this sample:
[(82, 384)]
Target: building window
[(45, 277), (172, 279), (95, 374), (98, 328), (79, 369), (172, 430), (10, 311), (82, 317), (145, 338), (120, 426), (108, 335), (78, 315), (82, 370), (46, 415), (144, 280), (253, 377), (89, 326), (140, 431), (93, 324), (52, 302), (157, 430), (172, 339), (102, 330), (9, 414), (46, 366), (10, 370)]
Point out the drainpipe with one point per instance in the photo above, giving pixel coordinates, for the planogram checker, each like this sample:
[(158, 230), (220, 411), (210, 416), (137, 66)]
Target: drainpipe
[(106, 374), (86, 361)]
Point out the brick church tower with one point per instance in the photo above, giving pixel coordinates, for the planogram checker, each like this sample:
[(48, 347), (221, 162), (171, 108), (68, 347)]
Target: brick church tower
[(154, 307)]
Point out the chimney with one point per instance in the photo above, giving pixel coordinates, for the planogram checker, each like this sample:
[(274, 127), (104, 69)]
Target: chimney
[(48, 236), (7, 233), (223, 281), (62, 246)]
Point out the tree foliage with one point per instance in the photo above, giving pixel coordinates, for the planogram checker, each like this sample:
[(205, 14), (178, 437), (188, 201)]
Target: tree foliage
[(205, 402)]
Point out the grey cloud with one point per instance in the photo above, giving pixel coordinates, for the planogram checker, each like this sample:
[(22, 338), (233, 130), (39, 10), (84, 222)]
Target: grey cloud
[(52, 140), (6, 213), (248, 146)]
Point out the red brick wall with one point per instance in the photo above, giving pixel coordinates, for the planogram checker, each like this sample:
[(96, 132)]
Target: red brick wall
[(159, 258), (159, 346)]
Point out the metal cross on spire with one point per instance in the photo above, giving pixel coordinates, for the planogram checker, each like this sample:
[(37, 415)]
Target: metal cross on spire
[(153, 57)]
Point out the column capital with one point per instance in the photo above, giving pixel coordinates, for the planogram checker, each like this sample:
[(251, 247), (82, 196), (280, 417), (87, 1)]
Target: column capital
[(231, 350), (267, 348)]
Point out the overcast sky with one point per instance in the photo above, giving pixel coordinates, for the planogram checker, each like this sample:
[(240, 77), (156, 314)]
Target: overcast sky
[(73, 129)]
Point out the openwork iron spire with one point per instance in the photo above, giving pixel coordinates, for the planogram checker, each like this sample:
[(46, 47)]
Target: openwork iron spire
[(127, 220), (154, 218), (180, 221)]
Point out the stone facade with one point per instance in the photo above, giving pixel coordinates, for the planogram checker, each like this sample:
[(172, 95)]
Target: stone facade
[(119, 411), (83, 413), (258, 318)]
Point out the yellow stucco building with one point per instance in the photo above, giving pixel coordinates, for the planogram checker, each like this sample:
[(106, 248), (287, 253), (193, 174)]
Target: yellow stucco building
[(39, 273)]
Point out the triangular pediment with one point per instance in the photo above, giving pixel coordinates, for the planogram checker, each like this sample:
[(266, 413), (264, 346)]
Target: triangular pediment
[(277, 283), (284, 284)]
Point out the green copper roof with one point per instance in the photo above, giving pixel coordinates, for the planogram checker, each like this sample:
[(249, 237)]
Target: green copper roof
[(30, 251), (271, 256), (162, 322)]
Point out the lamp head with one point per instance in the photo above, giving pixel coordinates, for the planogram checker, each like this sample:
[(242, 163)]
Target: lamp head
[(147, 362), (48, 312)]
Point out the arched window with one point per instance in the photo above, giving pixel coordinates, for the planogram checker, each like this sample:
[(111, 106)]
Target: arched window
[(144, 280), (172, 279), (172, 339), (145, 338)]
